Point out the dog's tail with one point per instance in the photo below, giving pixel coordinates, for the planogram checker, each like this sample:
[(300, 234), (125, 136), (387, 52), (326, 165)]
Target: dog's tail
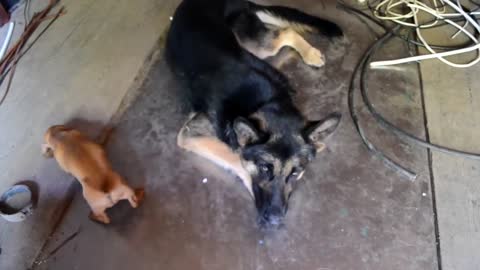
[(105, 135), (299, 21)]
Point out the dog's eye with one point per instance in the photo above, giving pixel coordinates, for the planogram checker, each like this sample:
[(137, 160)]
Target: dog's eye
[(266, 170), (295, 174), (296, 171)]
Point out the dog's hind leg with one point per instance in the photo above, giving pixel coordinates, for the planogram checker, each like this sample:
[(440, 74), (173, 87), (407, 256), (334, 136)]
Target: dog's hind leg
[(254, 36), (288, 37), (211, 148)]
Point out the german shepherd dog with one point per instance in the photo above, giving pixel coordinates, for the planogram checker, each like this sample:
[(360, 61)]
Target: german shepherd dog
[(243, 115)]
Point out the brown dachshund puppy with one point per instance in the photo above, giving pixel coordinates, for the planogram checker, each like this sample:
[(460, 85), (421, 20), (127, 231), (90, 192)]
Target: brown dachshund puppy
[(88, 163)]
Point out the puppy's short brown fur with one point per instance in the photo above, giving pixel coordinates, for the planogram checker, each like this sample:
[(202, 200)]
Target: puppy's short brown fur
[(88, 163)]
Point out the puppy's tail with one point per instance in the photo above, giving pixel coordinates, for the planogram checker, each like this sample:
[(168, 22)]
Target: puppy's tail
[(105, 135), (284, 17)]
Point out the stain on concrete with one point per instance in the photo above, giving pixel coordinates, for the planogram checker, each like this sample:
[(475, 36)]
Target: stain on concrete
[(364, 231), (343, 212)]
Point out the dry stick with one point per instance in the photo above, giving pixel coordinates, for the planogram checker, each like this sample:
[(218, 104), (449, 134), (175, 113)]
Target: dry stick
[(62, 244), (11, 76), (34, 23), (61, 12), (9, 62), (55, 250)]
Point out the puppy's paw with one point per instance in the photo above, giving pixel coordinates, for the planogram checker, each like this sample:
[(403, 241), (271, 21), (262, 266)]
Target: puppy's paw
[(100, 218), (314, 58), (139, 196), (47, 151)]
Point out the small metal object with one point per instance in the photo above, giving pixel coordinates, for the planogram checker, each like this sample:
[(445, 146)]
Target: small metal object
[(16, 203)]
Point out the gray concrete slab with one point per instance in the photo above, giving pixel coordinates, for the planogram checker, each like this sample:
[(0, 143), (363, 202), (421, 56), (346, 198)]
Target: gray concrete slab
[(451, 104), (351, 212), (82, 67), (453, 120)]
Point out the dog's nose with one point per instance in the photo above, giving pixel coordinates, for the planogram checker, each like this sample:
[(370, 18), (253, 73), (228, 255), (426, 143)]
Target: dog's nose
[(275, 220), (273, 216)]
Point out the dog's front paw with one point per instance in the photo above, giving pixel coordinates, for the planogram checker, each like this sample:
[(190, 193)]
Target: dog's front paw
[(314, 58)]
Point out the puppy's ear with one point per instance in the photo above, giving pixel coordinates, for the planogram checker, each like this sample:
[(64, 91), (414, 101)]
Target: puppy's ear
[(47, 151), (317, 131), (244, 130)]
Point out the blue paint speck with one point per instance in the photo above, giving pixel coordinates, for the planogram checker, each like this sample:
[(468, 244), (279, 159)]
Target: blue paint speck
[(344, 212), (364, 231)]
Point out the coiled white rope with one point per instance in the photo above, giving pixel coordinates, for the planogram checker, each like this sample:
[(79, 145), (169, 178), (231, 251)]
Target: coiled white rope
[(385, 10)]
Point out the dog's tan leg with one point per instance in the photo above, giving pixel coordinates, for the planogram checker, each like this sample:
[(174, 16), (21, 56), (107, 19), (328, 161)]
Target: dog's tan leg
[(219, 153), (216, 151), (288, 37), (275, 41)]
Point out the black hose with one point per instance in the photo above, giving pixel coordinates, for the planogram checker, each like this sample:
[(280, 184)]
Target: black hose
[(403, 135), (362, 68), (351, 105)]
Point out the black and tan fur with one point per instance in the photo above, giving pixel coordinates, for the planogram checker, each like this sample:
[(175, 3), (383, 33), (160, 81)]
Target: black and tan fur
[(243, 116)]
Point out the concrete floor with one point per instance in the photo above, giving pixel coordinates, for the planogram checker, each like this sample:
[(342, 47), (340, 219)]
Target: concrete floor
[(453, 113), (351, 212), (81, 68)]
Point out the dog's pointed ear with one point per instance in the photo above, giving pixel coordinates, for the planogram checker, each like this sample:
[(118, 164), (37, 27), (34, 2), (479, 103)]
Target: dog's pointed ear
[(317, 131), (245, 131)]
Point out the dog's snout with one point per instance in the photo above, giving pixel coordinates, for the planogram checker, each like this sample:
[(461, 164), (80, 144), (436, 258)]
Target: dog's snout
[(275, 220), (273, 216)]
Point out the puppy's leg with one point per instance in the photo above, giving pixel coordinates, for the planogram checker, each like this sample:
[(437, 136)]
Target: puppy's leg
[(137, 197), (99, 215), (214, 150), (124, 192), (134, 197), (98, 202)]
